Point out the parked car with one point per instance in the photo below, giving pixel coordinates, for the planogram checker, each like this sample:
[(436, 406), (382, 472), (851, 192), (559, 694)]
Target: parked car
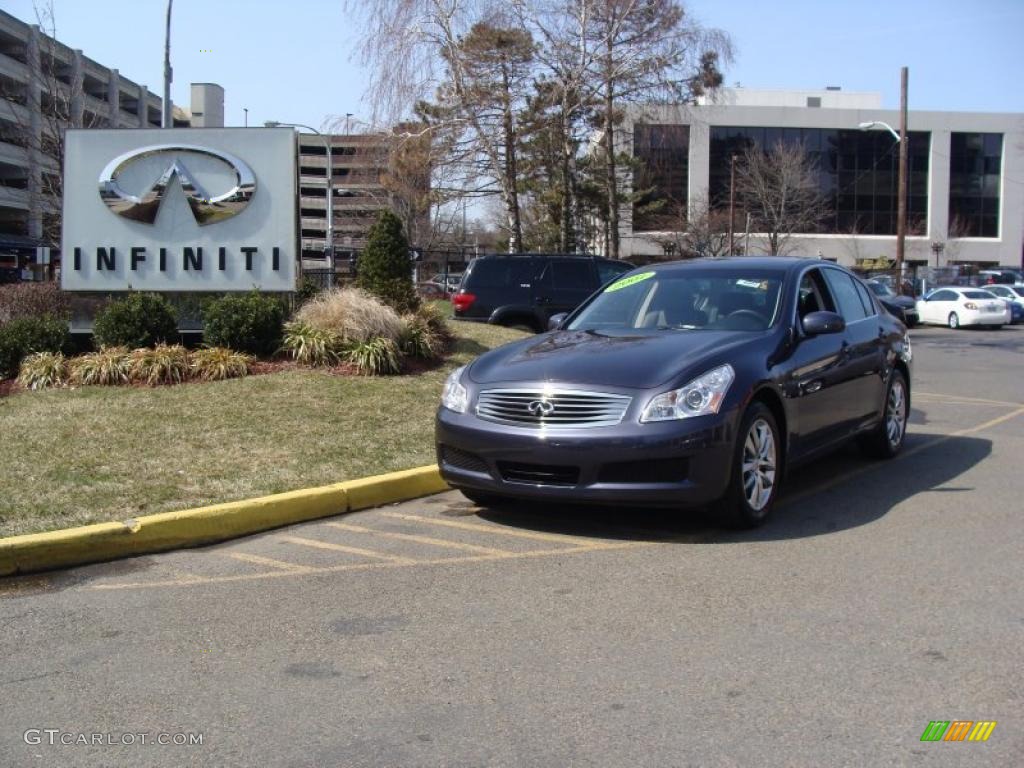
[(525, 291), (903, 307), (680, 385), (956, 306), (999, 277), (449, 284), (1014, 296), (431, 291)]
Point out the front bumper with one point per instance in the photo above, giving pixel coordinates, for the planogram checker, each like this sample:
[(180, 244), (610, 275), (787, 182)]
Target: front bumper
[(670, 464)]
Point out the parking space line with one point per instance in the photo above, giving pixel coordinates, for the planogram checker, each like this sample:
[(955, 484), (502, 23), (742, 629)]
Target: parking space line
[(958, 399), (245, 557), (301, 570), (316, 544), (554, 537), (989, 423), (420, 539)]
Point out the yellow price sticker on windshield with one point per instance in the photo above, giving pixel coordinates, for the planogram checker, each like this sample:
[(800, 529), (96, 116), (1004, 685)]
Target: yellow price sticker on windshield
[(625, 282)]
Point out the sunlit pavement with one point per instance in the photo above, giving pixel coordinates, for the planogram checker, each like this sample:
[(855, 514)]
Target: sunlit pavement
[(882, 596)]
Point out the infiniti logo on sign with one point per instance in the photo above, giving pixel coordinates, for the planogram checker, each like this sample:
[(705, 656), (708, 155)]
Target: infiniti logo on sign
[(206, 208), (541, 408)]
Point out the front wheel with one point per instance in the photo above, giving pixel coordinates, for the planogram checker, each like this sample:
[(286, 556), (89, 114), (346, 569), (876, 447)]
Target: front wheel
[(756, 471), (886, 440), (954, 320)]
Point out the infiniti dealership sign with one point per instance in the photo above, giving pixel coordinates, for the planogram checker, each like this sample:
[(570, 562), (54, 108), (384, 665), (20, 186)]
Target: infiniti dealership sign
[(190, 209)]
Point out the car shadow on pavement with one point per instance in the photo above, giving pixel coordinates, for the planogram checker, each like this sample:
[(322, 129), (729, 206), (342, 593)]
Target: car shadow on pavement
[(841, 491)]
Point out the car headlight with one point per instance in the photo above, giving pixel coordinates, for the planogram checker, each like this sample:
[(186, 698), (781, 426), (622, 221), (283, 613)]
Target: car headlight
[(455, 398), (702, 396)]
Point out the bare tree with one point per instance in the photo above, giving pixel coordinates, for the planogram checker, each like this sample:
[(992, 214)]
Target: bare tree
[(778, 187), (702, 233)]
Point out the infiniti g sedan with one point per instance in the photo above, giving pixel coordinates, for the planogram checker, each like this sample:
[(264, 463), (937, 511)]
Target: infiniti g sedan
[(692, 384)]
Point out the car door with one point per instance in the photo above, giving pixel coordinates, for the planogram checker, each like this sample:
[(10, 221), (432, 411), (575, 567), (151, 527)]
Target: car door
[(563, 285), (818, 379), (939, 304), (862, 348)]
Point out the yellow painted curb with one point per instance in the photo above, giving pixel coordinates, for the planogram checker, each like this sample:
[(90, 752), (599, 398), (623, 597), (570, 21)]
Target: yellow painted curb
[(207, 525)]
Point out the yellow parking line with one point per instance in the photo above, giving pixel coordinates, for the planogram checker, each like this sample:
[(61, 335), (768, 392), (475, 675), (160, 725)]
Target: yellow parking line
[(963, 399), (556, 537), (361, 567), (341, 548), (990, 423), (247, 558), (420, 539)]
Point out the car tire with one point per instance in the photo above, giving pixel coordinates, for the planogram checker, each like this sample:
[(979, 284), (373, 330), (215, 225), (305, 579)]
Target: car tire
[(756, 458), (953, 320), (886, 440)]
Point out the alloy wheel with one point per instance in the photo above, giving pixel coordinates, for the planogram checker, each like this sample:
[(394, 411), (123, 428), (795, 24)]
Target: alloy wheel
[(896, 413), (759, 459)]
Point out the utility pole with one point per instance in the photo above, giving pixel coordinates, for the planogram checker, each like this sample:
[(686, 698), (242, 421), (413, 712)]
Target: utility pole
[(246, 110), (168, 75), (901, 211), (732, 202)]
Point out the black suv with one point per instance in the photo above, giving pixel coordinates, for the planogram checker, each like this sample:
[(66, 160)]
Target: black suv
[(526, 290)]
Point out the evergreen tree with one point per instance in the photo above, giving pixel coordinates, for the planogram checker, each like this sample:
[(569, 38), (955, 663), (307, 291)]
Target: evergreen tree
[(384, 266)]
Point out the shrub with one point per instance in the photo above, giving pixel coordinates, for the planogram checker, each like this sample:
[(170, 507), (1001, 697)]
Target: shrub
[(41, 370), (312, 346), (218, 363), (353, 315), (419, 340), (163, 364), (250, 323), (308, 289), (20, 338), (107, 367), (435, 321), (384, 266), (137, 320), (374, 357), (32, 300)]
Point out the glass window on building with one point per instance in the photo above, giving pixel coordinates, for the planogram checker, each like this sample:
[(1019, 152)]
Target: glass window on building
[(857, 172), (975, 160), (661, 180)]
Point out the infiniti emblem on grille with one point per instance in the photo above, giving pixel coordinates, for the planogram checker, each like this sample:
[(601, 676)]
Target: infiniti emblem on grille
[(541, 408)]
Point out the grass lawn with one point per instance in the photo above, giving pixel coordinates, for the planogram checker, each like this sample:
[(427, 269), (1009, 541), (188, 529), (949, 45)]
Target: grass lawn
[(97, 454)]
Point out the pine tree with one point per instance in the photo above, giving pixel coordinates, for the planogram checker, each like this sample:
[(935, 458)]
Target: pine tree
[(384, 266)]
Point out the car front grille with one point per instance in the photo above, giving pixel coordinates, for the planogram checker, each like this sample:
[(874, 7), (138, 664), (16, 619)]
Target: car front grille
[(552, 408)]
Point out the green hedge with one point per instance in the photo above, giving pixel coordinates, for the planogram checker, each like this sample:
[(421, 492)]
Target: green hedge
[(137, 320), (251, 323), (20, 338)]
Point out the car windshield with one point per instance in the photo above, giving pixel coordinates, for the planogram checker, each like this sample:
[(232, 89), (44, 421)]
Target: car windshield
[(979, 295), (686, 300), (880, 289)]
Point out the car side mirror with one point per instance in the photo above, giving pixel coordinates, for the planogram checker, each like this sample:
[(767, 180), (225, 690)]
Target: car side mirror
[(817, 323), (556, 321)]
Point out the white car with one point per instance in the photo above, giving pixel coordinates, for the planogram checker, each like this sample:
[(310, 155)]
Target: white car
[(1012, 293), (956, 306)]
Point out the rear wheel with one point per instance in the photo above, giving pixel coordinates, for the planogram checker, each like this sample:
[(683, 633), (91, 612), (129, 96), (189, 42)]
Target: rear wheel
[(886, 440), (954, 320), (754, 480)]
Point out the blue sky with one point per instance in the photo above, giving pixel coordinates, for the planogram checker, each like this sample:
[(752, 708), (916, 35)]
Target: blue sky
[(293, 61)]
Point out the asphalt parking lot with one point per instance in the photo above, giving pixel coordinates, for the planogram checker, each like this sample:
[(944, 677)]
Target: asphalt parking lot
[(883, 596)]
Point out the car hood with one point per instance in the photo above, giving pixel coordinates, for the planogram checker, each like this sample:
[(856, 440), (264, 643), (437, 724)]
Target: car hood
[(900, 301), (635, 360)]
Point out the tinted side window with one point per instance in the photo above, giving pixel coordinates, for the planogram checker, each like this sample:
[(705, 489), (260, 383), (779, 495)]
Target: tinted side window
[(846, 296), (865, 299), (813, 295), (607, 270), (568, 279), (500, 273), (943, 296)]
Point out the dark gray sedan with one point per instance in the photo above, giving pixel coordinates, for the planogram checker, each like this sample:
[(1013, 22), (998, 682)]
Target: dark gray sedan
[(687, 384)]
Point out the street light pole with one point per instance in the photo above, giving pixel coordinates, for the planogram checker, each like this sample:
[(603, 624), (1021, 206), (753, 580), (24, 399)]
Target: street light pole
[(329, 246), (168, 116), (732, 203), (901, 210)]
